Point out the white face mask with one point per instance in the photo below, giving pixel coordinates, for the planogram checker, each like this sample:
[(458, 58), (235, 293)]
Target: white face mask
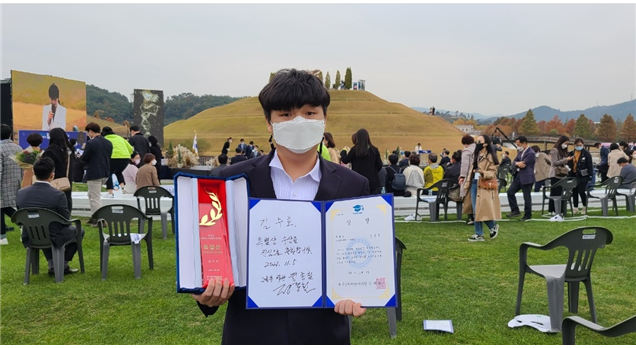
[(564, 146), (154, 162), (137, 161), (298, 135)]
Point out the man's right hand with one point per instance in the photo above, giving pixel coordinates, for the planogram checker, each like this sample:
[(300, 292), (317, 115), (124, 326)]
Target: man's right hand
[(216, 294), (50, 117)]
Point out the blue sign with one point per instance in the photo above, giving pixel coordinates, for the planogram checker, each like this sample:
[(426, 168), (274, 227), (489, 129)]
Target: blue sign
[(23, 134)]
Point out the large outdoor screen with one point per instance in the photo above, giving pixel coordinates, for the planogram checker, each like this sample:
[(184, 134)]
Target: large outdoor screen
[(42, 102)]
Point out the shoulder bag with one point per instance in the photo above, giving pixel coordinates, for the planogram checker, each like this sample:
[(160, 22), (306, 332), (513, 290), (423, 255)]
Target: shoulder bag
[(63, 184)]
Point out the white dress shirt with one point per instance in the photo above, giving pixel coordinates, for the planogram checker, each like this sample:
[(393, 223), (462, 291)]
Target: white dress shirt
[(304, 188)]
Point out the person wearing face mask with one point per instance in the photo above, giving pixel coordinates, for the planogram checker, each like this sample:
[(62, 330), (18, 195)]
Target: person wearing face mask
[(542, 168), (130, 173), (485, 202), (468, 154), (147, 174), (558, 169), (295, 106), (97, 158), (581, 168), (365, 160), (612, 158), (331, 147), (523, 169)]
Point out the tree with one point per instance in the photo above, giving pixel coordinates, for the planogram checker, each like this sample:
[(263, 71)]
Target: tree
[(348, 79), (582, 127), (592, 129), (554, 124), (542, 127), (529, 124), (271, 76), (568, 128), (628, 133), (327, 81), (336, 85), (607, 129), (320, 76)]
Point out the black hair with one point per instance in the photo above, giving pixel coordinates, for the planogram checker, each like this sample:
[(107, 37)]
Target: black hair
[(622, 143), (238, 150), (613, 146), (107, 131), (242, 139), (363, 143), (562, 139), (54, 92), (134, 128), (535, 148), (43, 168), (222, 158), (5, 132), (94, 127), (457, 156), (153, 140), (622, 160), (407, 154), (579, 140), (522, 139), (251, 142), (72, 141), (34, 139), (58, 140), (329, 138), (432, 158), (393, 158), (597, 144), (490, 149), (134, 154), (293, 88)]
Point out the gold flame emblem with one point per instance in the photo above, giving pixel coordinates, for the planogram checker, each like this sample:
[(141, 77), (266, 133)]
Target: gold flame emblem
[(215, 213)]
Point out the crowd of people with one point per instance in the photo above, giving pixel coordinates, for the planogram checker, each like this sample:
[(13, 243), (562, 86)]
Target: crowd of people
[(104, 157)]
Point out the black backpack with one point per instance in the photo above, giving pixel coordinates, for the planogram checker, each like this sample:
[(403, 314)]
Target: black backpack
[(399, 180)]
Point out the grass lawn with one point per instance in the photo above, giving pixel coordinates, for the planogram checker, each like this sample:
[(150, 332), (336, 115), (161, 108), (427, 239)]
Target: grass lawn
[(444, 277)]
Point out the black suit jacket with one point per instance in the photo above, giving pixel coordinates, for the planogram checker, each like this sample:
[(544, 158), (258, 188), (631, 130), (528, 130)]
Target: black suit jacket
[(288, 326), (97, 158), (43, 195), (141, 145)]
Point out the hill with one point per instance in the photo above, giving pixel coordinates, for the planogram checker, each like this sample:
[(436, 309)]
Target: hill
[(389, 124), (546, 113)]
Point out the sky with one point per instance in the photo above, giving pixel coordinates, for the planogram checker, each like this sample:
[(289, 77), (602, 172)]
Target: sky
[(493, 59)]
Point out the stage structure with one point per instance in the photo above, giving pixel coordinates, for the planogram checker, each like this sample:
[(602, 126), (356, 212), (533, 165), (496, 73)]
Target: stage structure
[(148, 112)]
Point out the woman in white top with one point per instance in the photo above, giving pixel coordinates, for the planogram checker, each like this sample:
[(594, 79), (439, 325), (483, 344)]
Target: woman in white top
[(414, 175), (130, 173)]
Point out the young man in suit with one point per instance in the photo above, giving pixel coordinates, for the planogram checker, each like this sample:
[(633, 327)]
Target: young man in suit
[(523, 166), (42, 195), (139, 143), (295, 106), (97, 158)]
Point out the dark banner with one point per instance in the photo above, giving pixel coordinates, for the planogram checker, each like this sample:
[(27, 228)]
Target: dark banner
[(148, 113)]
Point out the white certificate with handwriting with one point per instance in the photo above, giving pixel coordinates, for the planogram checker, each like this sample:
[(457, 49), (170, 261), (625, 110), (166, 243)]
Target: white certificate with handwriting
[(312, 254)]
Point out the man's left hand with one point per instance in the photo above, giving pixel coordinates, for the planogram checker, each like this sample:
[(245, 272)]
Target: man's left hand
[(349, 307)]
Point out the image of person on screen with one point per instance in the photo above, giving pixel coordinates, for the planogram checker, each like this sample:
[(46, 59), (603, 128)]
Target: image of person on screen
[(295, 106), (53, 114)]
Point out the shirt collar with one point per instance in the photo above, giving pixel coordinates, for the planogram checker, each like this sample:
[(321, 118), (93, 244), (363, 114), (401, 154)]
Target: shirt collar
[(42, 182), (314, 173)]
